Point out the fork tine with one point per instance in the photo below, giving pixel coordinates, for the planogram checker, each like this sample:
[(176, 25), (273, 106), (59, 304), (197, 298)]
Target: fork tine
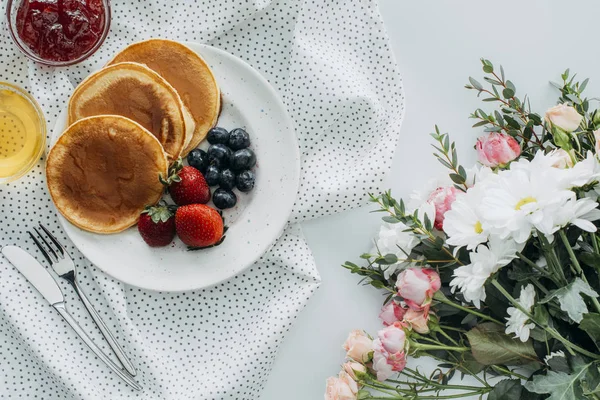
[(54, 240), (39, 245), (48, 247)]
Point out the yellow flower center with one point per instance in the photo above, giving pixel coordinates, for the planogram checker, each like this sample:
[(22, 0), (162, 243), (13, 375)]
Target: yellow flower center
[(523, 201), (478, 228)]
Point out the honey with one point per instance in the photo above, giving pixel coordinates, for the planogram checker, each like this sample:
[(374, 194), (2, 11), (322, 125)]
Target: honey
[(22, 133)]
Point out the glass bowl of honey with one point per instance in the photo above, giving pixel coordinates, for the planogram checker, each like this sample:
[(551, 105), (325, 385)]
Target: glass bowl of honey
[(58, 32), (22, 132)]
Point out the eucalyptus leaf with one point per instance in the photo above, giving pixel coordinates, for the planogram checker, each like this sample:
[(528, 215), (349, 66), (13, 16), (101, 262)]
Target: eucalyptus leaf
[(475, 83), (508, 93), (570, 299), (490, 346), (456, 178), (508, 389)]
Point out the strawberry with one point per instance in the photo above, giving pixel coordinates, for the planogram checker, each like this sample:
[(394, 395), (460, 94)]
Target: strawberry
[(187, 185), (199, 226), (157, 225)]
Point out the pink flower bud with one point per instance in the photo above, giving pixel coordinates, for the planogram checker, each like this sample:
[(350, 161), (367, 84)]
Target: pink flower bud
[(352, 368), (391, 313), (389, 354), (497, 149), (358, 346), (442, 199), (417, 320), (417, 286), (341, 388)]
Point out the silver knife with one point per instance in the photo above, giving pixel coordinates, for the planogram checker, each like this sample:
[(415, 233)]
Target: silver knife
[(41, 279)]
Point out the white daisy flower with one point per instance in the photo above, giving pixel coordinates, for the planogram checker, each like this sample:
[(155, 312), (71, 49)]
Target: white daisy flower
[(485, 261), (517, 320), (584, 172), (579, 213), (393, 239), (524, 198)]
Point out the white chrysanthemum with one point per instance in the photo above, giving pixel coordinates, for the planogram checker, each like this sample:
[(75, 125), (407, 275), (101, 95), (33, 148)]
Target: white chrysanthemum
[(393, 239), (579, 213), (485, 261), (463, 223), (517, 320), (524, 198), (584, 172), (420, 196)]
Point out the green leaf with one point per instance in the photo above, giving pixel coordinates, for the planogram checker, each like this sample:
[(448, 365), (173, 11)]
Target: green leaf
[(570, 298), (490, 345), (488, 69), (583, 85), (508, 93), (591, 325), (475, 84), (462, 172), (456, 178), (590, 259), (508, 389), (560, 385), (480, 123), (501, 72), (390, 220)]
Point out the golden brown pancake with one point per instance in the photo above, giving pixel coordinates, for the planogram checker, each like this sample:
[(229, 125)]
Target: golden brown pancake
[(103, 171), (136, 92), (188, 73)]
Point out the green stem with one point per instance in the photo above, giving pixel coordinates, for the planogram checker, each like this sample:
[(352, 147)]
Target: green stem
[(442, 299), (552, 258), (554, 333), (426, 347), (577, 266), (382, 391), (507, 371), (444, 334), (532, 264)]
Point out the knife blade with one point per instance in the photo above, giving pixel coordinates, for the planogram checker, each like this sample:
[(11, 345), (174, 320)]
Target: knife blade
[(35, 273)]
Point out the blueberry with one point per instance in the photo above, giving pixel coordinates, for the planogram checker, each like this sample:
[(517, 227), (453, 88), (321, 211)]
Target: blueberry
[(218, 136), (198, 159), (245, 181), (227, 180), (224, 198), (219, 155), (238, 139), (243, 159), (212, 175)]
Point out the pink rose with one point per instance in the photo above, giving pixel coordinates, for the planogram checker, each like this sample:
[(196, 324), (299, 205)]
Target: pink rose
[(563, 117), (388, 351), (358, 346), (497, 149), (417, 286), (562, 158), (442, 199), (341, 388), (391, 313), (417, 320), (351, 368)]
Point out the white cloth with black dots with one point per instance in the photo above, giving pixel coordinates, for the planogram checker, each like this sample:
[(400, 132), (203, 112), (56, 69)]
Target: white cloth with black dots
[(333, 66)]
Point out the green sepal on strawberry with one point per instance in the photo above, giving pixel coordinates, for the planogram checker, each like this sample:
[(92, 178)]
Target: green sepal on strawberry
[(157, 225), (186, 185)]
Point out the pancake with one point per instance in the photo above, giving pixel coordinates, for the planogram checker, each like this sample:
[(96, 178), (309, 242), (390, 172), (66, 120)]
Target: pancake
[(136, 92), (188, 73), (103, 171)]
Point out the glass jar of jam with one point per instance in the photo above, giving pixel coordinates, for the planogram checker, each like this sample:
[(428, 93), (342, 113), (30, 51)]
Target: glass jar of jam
[(58, 32)]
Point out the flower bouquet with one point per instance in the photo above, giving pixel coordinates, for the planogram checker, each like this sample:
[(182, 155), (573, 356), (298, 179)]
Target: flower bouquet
[(494, 270)]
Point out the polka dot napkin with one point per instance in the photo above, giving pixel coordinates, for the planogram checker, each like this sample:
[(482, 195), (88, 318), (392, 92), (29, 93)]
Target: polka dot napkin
[(332, 64)]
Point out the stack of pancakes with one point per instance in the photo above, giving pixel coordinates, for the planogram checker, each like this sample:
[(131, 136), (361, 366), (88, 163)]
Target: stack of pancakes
[(153, 103)]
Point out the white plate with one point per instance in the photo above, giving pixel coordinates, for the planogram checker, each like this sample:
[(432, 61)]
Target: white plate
[(255, 223)]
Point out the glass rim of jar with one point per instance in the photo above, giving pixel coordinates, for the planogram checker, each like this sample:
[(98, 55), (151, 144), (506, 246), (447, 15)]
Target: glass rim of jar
[(32, 56), (41, 133)]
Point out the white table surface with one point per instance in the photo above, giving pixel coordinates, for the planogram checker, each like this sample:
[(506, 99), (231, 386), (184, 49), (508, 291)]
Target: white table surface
[(438, 45)]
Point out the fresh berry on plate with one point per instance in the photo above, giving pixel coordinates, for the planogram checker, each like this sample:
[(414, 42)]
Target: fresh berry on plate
[(157, 225), (224, 199), (187, 185), (238, 139), (218, 135), (219, 155), (213, 175), (243, 159), (198, 159), (199, 225), (227, 180), (245, 181)]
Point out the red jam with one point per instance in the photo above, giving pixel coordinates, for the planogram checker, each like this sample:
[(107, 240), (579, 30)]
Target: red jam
[(60, 30)]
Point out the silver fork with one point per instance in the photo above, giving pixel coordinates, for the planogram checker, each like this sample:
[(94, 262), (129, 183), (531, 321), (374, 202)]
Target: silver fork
[(63, 265)]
